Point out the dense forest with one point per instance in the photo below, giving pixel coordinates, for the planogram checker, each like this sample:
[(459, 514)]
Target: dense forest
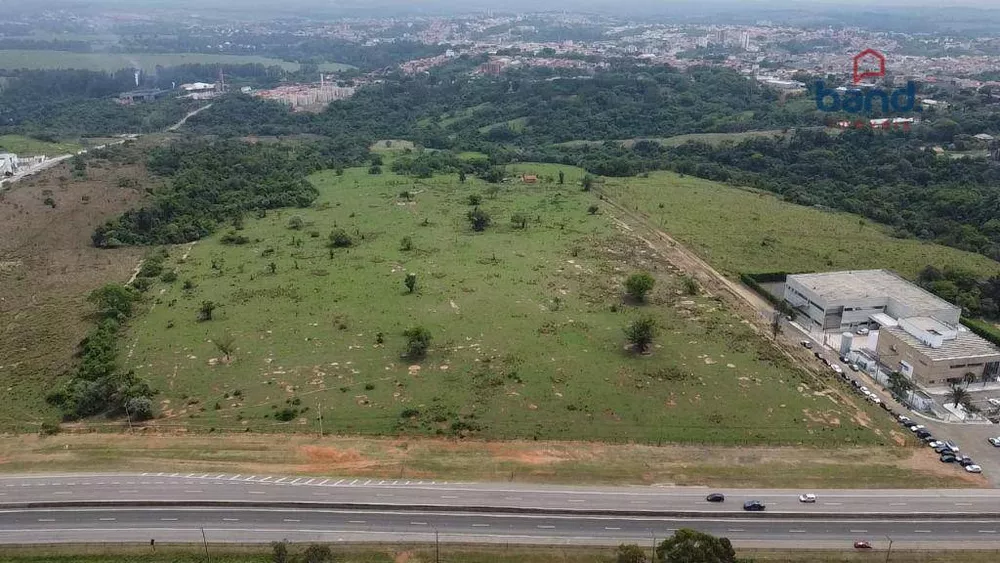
[(216, 183)]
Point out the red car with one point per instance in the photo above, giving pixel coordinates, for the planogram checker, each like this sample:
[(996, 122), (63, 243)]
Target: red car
[(862, 545)]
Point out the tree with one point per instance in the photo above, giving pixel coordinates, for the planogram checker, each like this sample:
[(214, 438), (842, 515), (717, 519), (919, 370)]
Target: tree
[(587, 182), (593, 209), (958, 394), (317, 553), (629, 553), (640, 333), (638, 285), (206, 310), (296, 223), (410, 282), (562, 177), (519, 220), (418, 339), (969, 378), (226, 346), (279, 551), (479, 219), (690, 546), (405, 194), (113, 301), (340, 239), (899, 384), (272, 267), (374, 169), (475, 199), (406, 244), (139, 408), (775, 324), (461, 176)]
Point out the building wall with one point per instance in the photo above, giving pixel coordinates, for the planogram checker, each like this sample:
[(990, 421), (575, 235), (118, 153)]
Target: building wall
[(921, 369)]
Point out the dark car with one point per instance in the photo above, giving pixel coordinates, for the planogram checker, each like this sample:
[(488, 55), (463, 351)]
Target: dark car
[(862, 545), (964, 460), (945, 458), (855, 383), (922, 434), (753, 506), (716, 497)]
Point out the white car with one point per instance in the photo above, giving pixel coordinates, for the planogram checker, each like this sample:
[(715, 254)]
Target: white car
[(808, 497), (935, 443), (864, 390), (863, 331), (875, 399), (973, 468), (917, 427), (994, 402), (837, 368), (995, 442)]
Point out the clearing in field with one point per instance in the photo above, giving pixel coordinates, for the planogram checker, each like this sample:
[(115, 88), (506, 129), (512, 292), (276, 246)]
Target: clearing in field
[(26, 146), (742, 230), (526, 321), (14, 59)]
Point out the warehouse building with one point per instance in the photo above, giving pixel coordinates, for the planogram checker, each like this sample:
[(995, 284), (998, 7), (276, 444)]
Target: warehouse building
[(931, 352), (846, 301)]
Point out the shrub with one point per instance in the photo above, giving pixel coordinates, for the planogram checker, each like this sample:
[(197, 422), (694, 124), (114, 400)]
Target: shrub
[(286, 414), (169, 277), (418, 339), (233, 238), (479, 219), (296, 223), (638, 285), (475, 199), (340, 239)]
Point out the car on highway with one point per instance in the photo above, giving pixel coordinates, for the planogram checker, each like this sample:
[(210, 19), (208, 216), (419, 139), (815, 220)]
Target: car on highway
[(862, 545), (807, 345), (973, 468), (716, 497), (807, 498), (995, 442), (753, 506)]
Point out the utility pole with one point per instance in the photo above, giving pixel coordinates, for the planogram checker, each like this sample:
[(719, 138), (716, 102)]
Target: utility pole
[(321, 419), (437, 548), (129, 415), (205, 541), (888, 553), (652, 556)]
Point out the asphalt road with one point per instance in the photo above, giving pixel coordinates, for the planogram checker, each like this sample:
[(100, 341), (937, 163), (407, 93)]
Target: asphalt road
[(201, 487), (269, 524)]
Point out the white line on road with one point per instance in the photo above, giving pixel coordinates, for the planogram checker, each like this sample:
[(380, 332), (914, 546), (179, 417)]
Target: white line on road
[(921, 531), (46, 519), (382, 495), (265, 479), (480, 525), (280, 480), (295, 481), (106, 519), (291, 520), (309, 481), (987, 531), (449, 496), (353, 482), (607, 528), (193, 491), (355, 521), (338, 482), (168, 519), (859, 531), (512, 498), (833, 503), (55, 493), (736, 529), (796, 531), (230, 519), (418, 523), (234, 477), (256, 493), (897, 504), (129, 491), (546, 527), (323, 483)]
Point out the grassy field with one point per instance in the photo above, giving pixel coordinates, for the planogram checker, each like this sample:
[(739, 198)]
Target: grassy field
[(26, 146), (526, 324), (745, 231), (424, 553), (709, 138), (14, 59)]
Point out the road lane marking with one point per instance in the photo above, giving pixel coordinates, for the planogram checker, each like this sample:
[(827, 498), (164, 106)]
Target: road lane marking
[(418, 523), (921, 531), (576, 500), (265, 479), (449, 496), (280, 480), (106, 519), (46, 519), (338, 482), (796, 531), (353, 482), (480, 525), (55, 493), (321, 494), (291, 520), (736, 529), (323, 483), (963, 504), (355, 521), (193, 491), (295, 481), (545, 527), (129, 491), (234, 477), (368, 481), (897, 504), (859, 531), (987, 531), (230, 519), (190, 475), (256, 493), (607, 528), (383, 495), (512, 498), (168, 519), (309, 481), (833, 503)]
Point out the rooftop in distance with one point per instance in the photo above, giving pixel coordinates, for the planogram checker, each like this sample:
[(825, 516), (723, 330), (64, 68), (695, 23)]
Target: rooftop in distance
[(854, 285)]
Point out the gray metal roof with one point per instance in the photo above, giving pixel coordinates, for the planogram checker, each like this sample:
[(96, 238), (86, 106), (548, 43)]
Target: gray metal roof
[(966, 346), (855, 285)]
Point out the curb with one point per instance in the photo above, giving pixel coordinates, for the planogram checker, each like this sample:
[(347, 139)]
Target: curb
[(308, 505)]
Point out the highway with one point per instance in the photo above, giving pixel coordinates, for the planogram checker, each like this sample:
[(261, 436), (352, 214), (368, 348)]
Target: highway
[(204, 487), (171, 507)]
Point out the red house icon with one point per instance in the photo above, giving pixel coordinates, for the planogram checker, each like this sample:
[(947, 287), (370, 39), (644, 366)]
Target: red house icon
[(865, 64)]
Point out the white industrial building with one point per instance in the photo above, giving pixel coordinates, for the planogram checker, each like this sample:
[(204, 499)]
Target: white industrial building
[(839, 301), (8, 163)]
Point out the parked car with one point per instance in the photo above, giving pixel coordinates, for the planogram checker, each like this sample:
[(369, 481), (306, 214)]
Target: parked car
[(862, 545), (854, 367), (935, 443), (807, 345), (886, 407), (863, 331), (973, 468), (807, 498), (952, 445), (964, 460), (855, 383), (716, 497), (947, 458), (917, 427), (753, 506), (922, 434), (819, 355), (837, 369), (994, 402), (845, 359), (928, 439), (943, 450), (995, 442), (903, 419), (864, 390)]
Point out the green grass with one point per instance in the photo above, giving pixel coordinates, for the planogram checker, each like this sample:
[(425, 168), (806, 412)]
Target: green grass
[(527, 341), (516, 125), (26, 146), (740, 230), (709, 138), (15, 59), (391, 145)]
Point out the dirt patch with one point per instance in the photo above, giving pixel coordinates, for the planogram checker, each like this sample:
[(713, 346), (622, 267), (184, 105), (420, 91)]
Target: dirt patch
[(403, 557), (330, 455)]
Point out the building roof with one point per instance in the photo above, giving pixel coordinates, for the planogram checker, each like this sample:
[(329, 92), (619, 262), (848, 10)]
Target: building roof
[(854, 285), (966, 346)]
